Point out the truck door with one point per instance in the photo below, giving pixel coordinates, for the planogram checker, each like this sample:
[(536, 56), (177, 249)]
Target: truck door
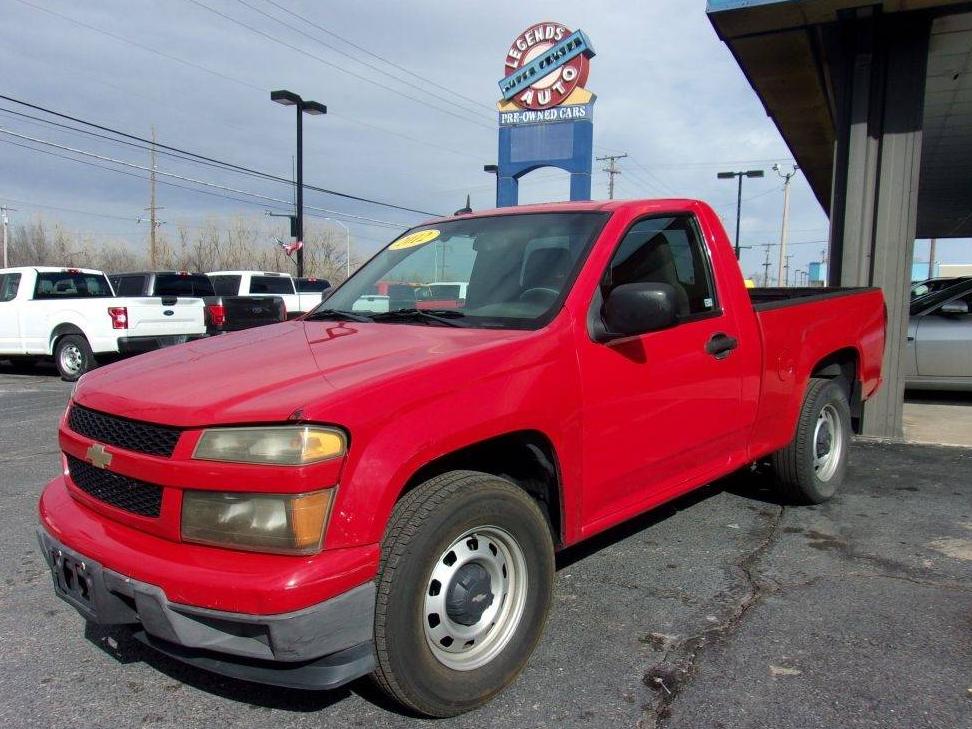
[(663, 408), (9, 315)]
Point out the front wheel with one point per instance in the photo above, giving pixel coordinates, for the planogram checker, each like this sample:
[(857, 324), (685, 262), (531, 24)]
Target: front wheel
[(463, 594), (811, 468), (73, 357)]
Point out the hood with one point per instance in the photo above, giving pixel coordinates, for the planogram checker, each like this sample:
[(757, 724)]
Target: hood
[(268, 374)]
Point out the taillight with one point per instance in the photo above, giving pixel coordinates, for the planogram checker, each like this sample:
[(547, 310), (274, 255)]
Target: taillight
[(217, 315), (119, 317), (283, 309)]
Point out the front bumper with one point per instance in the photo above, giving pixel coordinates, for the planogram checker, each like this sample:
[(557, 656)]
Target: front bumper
[(137, 345), (319, 647)]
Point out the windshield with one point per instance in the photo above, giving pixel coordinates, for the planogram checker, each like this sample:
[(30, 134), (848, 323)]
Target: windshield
[(71, 285), (506, 271), (312, 285), (272, 285), (180, 284)]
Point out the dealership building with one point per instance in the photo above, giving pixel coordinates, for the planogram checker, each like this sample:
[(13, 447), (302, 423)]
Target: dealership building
[(875, 102)]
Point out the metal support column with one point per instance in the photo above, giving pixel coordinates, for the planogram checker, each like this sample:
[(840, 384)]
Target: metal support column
[(875, 196)]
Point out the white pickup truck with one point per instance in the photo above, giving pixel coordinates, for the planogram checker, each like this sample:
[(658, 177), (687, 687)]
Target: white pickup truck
[(73, 315), (265, 283)]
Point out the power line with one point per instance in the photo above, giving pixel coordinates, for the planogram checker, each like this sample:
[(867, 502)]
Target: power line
[(376, 56), (108, 216), (27, 204), (652, 176), (149, 49), (228, 77), (266, 198), (329, 64), (212, 160), (135, 145), (373, 67)]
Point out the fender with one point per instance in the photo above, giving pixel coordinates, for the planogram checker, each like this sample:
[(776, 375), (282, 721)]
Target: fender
[(386, 452), (62, 330)]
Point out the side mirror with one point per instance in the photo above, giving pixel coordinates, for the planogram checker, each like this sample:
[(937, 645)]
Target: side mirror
[(637, 308), (954, 308)]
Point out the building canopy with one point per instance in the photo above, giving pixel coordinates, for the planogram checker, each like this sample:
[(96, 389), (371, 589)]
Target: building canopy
[(789, 51)]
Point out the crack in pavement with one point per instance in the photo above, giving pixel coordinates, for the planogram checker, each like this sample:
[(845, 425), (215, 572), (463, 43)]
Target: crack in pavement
[(667, 677), (948, 585)]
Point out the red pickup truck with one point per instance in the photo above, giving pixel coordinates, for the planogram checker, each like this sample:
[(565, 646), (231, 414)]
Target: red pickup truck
[(365, 492)]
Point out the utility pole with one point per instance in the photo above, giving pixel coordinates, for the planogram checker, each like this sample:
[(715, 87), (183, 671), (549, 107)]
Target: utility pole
[(152, 209), (787, 176), (153, 220), (786, 270), (3, 215), (766, 265), (611, 169), (931, 258)]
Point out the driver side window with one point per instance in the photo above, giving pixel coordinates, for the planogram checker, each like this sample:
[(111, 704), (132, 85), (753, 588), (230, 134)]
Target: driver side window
[(665, 250)]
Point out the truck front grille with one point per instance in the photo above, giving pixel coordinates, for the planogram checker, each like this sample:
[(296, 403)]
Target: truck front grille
[(123, 492), (132, 435)]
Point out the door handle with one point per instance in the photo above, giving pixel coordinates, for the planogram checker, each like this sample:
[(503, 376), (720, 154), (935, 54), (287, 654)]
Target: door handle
[(720, 345)]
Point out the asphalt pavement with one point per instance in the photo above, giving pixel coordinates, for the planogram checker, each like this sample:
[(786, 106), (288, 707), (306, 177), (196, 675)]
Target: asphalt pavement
[(723, 609)]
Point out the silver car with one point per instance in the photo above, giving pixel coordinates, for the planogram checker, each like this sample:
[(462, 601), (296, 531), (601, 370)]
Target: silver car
[(940, 340)]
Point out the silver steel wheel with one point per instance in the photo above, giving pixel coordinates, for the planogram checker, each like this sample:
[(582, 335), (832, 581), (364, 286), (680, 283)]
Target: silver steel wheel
[(71, 359), (474, 598), (828, 443)]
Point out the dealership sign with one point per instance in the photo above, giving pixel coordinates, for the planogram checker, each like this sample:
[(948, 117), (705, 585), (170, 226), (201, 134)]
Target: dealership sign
[(546, 115), (546, 64)]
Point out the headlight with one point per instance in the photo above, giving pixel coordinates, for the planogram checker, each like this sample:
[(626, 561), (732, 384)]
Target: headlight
[(290, 524), (285, 445)]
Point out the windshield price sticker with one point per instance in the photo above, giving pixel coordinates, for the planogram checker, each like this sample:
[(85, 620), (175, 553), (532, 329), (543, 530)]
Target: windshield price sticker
[(415, 239)]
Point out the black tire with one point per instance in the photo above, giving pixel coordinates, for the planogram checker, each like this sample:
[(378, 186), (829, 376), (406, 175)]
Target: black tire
[(73, 357), (799, 477), (429, 520)]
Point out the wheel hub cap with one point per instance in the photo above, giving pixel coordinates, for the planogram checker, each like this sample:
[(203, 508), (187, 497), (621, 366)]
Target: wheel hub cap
[(475, 597), (827, 443), (469, 595), (71, 358)]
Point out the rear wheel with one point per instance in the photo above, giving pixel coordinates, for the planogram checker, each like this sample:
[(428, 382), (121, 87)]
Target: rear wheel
[(73, 357), (463, 593), (811, 468)]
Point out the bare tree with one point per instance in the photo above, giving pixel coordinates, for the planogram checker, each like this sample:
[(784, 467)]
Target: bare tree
[(243, 242)]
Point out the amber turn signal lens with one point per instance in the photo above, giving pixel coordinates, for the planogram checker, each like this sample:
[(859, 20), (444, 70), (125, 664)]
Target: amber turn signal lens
[(308, 514)]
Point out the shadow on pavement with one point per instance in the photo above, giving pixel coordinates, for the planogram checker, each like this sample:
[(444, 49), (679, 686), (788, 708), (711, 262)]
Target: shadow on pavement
[(118, 642)]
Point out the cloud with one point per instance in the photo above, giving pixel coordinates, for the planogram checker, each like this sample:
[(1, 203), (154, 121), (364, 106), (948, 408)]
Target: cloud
[(669, 94)]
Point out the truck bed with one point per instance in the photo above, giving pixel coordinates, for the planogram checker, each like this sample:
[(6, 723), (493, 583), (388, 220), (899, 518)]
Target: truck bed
[(774, 297)]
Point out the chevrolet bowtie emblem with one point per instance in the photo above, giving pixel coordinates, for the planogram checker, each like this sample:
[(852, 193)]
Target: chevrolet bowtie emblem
[(98, 456)]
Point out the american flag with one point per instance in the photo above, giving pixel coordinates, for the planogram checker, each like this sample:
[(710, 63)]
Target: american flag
[(289, 248)]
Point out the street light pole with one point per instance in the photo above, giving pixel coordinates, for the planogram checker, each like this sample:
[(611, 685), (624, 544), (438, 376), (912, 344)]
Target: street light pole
[(300, 190), (347, 233), (289, 98), (739, 176)]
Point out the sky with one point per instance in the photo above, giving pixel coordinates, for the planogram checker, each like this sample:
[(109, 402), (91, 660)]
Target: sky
[(411, 90)]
